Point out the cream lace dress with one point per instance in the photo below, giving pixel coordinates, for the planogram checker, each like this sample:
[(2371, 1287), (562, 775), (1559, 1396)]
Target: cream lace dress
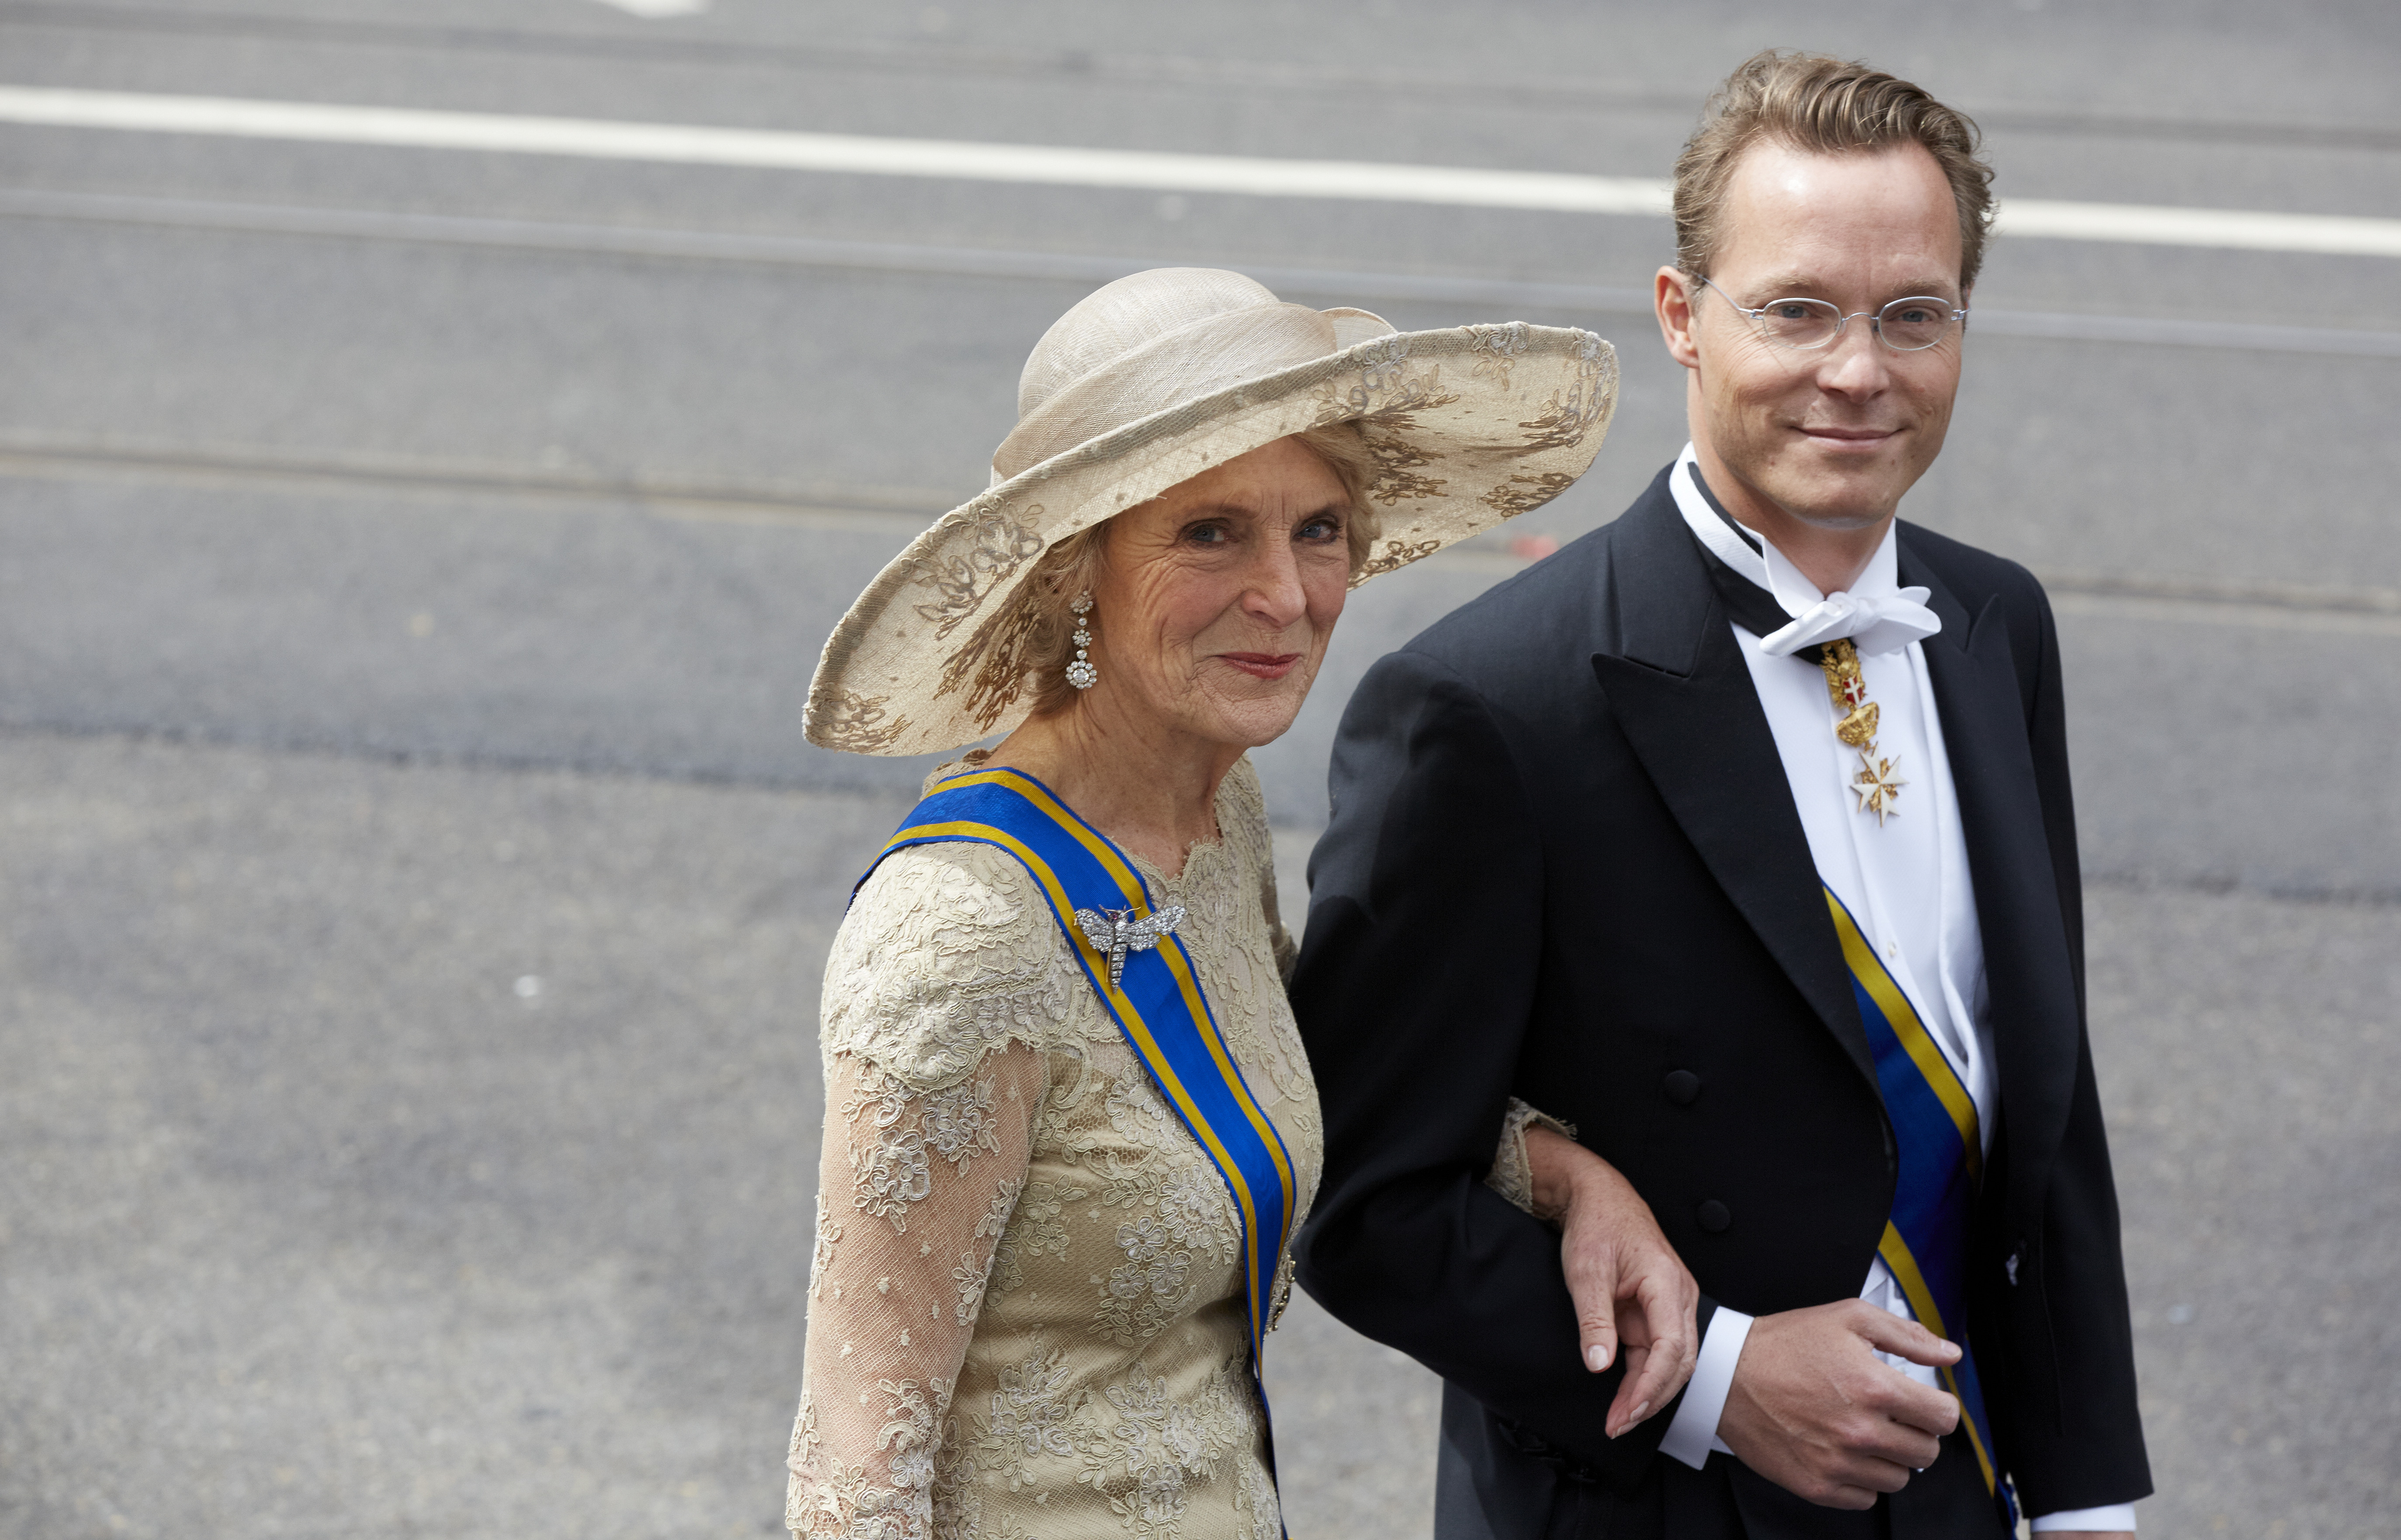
[(1026, 1313)]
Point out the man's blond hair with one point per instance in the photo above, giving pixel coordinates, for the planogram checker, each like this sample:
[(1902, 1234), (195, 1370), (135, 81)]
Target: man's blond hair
[(1817, 103)]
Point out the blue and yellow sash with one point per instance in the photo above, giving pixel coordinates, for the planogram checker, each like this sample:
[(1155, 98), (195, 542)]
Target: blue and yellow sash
[(1942, 1161), (1156, 1003)]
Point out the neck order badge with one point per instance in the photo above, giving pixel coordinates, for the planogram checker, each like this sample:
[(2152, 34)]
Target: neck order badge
[(1151, 991), (1942, 1161), (1875, 785)]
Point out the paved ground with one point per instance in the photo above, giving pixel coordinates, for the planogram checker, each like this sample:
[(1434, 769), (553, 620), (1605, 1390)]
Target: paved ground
[(385, 622)]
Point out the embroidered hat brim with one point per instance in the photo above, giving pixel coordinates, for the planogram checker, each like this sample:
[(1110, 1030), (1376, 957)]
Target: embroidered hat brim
[(1468, 426)]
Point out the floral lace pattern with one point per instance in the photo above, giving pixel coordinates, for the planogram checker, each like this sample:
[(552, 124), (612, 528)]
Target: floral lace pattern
[(1005, 539), (1512, 1171), (1578, 406), (1521, 494), (1025, 1308), (1497, 350), (856, 722)]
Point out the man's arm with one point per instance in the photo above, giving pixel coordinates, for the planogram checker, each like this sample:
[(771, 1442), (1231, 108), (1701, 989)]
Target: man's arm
[(2086, 1453), (1414, 992)]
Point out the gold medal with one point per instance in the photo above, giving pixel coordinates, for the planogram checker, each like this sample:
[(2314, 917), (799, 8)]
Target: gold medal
[(1875, 785)]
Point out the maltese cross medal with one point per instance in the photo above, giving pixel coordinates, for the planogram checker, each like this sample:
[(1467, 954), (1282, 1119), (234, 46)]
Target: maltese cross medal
[(1877, 785)]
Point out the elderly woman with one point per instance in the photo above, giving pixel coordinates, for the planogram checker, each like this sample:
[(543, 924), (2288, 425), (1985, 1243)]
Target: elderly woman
[(1069, 1125)]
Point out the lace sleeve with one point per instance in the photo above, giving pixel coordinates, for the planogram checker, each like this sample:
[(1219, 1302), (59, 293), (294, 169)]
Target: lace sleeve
[(937, 997), (1513, 1173)]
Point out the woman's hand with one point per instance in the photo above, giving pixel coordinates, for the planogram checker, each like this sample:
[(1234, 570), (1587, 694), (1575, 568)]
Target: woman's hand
[(1630, 1287)]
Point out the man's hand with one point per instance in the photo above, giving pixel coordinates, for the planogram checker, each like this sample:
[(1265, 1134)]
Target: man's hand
[(1630, 1287), (1813, 1411)]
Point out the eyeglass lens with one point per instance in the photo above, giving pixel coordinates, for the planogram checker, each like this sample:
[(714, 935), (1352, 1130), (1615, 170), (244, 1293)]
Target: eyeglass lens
[(1906, 325)]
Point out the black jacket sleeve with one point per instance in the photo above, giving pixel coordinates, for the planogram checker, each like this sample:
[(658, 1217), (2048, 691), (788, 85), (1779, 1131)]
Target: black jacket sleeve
[(2085, 1450), (1416, 983)]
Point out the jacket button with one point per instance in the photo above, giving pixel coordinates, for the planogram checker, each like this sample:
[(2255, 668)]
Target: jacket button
[(1714, 1217), (1683, 1087)]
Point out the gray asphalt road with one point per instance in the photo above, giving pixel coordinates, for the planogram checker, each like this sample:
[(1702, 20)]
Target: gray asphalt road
[(388, 617)]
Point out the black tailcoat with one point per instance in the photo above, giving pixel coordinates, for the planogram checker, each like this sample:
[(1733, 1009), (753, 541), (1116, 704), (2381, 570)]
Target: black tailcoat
[(1565, 863)]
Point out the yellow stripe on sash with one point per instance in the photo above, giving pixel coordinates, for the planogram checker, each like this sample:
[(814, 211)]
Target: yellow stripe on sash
[(1130, 888), (1923, 1051), (1034, 792), (1896, 1253)]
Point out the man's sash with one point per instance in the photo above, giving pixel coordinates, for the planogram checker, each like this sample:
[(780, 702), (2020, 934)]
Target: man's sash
[(1156, 1003), (1942, 1161)]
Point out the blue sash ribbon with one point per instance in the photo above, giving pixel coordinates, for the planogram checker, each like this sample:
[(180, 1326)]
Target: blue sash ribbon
[(1156, 1001), (1942, 1154)]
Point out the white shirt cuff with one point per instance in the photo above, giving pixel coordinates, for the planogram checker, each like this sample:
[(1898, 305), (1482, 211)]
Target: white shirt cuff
[(2101, 1520), (1695, 1432)]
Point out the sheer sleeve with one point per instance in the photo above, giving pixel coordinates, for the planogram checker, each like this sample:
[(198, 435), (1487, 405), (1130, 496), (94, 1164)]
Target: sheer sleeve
[(1512, 1171), (938, 998)]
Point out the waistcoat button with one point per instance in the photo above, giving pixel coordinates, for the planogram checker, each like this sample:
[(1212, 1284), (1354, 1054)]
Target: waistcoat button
[(1683, 1087), (1714, 1217)]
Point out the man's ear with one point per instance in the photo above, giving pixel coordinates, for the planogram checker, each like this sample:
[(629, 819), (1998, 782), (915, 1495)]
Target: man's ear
[(1672, 298)]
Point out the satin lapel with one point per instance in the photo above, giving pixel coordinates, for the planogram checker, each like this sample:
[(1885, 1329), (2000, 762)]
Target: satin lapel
[(1682, 695), (2026, 965)]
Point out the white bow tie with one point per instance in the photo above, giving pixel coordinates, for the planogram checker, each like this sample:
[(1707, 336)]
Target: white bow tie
[(1886, 623), (1877, 625)]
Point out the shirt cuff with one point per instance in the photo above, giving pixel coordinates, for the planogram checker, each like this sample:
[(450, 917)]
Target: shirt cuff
[(1695, 1432), (2101, 1521)]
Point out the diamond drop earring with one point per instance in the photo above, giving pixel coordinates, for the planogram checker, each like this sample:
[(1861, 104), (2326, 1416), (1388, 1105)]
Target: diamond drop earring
[(1080, 673)]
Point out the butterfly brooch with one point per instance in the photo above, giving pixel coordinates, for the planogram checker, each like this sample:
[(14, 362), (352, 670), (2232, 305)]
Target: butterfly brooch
[(1116, 932)]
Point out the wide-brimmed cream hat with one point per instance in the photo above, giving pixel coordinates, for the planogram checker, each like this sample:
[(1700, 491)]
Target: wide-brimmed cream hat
[(1156, 378)]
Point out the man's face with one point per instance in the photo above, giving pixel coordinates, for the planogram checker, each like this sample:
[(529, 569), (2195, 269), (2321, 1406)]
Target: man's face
[(1833, 436)]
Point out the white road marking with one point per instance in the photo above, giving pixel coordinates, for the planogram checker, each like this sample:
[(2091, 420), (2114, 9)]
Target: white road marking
[(855, 154), (2270, 617), (1068, 166), (2329, 234), (653, 10)]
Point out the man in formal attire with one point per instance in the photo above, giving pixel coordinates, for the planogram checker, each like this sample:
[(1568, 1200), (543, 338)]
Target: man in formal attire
[(1737, 835)]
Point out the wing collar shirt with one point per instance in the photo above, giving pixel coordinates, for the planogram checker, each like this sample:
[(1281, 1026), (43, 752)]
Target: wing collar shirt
[(1904, 878)]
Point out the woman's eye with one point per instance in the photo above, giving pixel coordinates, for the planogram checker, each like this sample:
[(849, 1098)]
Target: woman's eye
[(1207, 534), (1319, 529)]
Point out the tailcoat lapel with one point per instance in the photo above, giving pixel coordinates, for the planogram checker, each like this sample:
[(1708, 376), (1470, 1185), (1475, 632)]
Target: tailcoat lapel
[(2027, 955), (1681, 693)]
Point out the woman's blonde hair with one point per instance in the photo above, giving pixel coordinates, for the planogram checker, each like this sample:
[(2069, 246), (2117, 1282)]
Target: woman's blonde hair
[(1817, 103), (1035, 641)]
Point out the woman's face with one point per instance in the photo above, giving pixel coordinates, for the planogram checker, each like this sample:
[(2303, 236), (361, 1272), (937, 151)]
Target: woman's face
[(1217, 597)]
